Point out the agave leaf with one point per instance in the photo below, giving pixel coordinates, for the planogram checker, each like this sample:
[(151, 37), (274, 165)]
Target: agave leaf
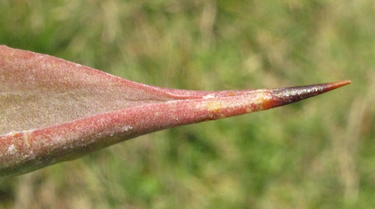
[(52, 110)]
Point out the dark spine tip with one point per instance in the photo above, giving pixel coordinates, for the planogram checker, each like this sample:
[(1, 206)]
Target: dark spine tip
[(284, 96)]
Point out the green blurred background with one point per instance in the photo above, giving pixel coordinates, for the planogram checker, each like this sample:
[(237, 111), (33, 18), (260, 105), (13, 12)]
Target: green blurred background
[(314, 154)]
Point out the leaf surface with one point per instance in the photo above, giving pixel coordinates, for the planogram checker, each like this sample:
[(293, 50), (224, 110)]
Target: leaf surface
[(52, 110)]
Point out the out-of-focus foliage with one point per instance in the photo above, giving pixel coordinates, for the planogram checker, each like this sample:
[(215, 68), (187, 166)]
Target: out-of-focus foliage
[(314, 154)]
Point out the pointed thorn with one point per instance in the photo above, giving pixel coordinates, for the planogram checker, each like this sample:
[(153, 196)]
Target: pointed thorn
[(284, 96)]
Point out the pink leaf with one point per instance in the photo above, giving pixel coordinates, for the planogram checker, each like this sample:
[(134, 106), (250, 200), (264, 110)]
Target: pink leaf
[(53, 110)]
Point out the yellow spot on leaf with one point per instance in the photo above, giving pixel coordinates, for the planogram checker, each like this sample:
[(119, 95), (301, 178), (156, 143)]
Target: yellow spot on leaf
[(214, 107)]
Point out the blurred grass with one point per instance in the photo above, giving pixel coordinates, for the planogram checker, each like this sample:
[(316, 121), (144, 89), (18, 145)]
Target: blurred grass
[(313, 154)]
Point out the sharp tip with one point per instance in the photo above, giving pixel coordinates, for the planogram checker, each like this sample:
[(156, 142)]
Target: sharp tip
[(284, 96), (335, 85)]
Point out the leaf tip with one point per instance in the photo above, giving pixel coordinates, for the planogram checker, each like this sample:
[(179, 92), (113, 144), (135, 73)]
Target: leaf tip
[(284, 96)]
